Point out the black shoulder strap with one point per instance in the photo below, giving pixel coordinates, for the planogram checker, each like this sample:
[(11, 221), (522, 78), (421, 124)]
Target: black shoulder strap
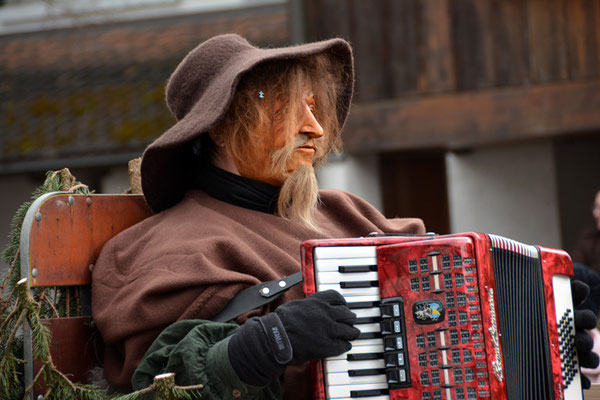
[(256, 296)]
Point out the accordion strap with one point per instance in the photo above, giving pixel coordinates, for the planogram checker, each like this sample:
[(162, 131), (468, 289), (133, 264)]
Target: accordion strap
[(257, 296)]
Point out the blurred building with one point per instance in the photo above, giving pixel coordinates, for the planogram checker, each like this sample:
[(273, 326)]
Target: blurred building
[(479, 115), (471, 114)]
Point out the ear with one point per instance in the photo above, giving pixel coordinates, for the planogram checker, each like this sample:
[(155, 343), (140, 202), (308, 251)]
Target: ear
[(215, 138)]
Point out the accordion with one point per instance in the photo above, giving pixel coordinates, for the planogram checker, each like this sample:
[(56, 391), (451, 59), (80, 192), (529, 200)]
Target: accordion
[(462, 317)]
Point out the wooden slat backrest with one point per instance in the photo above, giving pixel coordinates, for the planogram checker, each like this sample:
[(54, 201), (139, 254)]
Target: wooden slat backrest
[(61, 238), (63, 234)]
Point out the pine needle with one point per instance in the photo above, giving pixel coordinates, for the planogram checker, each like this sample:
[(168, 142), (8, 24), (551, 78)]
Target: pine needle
[(20, 304)]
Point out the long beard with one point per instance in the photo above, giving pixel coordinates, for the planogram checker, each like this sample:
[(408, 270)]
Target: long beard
[(299, 196)]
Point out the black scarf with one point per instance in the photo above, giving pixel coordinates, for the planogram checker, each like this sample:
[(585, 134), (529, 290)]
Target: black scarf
[(238, 190)]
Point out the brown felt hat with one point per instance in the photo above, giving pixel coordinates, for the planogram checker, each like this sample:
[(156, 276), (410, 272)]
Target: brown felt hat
[(200, 91)]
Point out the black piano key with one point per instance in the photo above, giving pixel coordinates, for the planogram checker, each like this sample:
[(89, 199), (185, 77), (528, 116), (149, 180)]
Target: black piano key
[(364, 356), (367, 320), (357, 268), (362, 304), (368, 393), (358, 284), (366, 372), (369, 335)]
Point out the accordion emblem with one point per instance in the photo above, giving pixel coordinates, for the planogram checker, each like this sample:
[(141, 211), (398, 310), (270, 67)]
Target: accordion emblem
[(456, 317)]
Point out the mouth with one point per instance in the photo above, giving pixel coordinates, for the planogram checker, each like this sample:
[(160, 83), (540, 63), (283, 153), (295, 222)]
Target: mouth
[(307, 146), (306, 149)]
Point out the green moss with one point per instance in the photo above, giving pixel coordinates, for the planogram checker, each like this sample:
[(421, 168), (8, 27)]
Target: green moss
[(10, 113), (141, 129), (42, 105), (127, 113), (153, 95)]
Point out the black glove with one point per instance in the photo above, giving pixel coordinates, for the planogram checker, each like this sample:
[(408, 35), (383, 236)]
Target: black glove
[(316, 327), (584, 319)]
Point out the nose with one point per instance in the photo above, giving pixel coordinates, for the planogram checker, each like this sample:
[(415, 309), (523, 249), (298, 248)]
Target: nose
[(310, 125)]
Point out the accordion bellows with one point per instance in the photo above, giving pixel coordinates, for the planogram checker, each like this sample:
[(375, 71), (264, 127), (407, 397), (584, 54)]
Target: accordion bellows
[(455, 317)]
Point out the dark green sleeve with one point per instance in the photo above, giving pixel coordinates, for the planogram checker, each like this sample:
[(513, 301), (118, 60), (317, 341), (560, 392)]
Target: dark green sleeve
[(196, 351)]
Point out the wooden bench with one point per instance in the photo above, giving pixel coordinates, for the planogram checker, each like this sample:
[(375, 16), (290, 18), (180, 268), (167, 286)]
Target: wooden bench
[(61, 239)]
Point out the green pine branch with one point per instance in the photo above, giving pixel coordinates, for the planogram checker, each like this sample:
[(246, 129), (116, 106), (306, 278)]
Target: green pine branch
[(164, 388), (20, 305)]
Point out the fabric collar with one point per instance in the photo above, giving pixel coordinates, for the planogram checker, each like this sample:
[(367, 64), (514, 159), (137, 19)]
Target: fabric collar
[(238, 190)]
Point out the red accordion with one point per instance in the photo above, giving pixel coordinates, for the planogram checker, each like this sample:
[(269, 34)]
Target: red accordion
[(462, 317)]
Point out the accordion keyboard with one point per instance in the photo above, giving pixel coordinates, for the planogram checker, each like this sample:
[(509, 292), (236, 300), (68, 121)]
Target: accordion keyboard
[(352, 271)]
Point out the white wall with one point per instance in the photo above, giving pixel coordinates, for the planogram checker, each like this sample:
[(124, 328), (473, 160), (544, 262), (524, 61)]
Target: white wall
[(115, 181), (509, 191), (354, 174)]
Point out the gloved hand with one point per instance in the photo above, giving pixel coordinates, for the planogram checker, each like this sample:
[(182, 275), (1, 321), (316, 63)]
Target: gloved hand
[(584, 319), (318, 326)]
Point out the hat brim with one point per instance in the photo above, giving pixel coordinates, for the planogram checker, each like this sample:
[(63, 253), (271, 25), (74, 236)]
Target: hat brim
[(167, 167)]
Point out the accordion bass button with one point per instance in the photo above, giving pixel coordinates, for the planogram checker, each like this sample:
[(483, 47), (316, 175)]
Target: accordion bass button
[(393, 343), (390, 310), (396, 375)]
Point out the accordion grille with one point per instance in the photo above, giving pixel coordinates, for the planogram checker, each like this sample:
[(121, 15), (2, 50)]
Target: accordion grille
[(522, 320)]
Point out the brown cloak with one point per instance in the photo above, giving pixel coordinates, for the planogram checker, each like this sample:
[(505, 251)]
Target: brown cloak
[(188, 261)]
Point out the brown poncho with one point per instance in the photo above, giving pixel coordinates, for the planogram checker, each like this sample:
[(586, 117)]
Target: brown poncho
[(188, 261)]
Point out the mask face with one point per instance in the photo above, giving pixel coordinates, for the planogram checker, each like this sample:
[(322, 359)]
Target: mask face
[(298, 149)]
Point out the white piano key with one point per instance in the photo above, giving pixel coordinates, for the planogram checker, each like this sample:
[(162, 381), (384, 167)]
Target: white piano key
[(333, 264), (366, 342), (335, 392), (348, 292), (337, 277), (367, 312), (345, 365), (361, 298), (342, 378), (378, 348), (368, 327), (345, 252), (383, 397)]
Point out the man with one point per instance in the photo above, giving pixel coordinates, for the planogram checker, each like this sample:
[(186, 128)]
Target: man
[(587, 249), (233, 187)]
